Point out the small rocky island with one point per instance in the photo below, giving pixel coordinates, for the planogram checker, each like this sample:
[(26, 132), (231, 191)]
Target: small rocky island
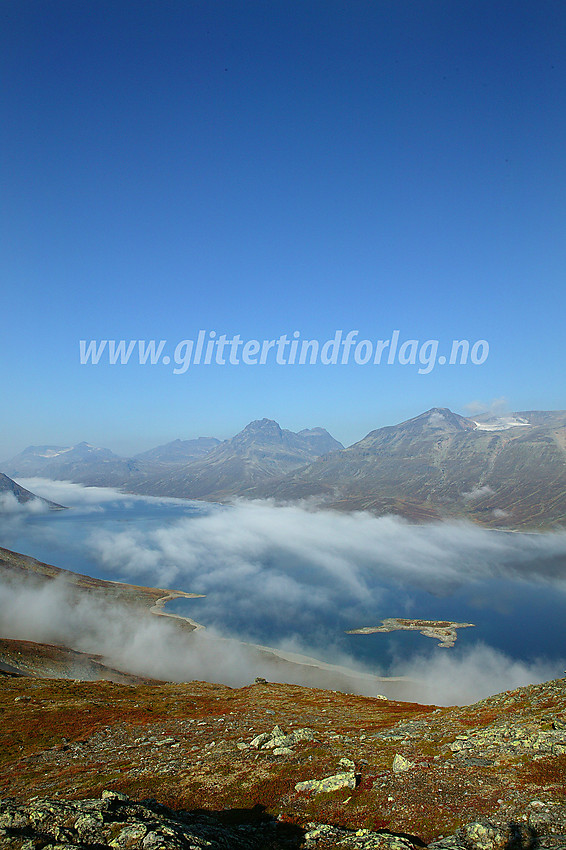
[(443, 630)]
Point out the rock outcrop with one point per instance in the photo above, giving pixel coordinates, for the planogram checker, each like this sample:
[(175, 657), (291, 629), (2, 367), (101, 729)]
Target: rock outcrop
[(115, 822)]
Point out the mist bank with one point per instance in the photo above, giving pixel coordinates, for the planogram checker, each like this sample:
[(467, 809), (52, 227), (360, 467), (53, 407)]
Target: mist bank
[(254, 538), (152, 646), (148, 644), (310, 575)]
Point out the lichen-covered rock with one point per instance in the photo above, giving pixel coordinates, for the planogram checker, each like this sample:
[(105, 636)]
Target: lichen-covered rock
[(401, 764), (329, 783), (117, 823), (277, 739), (547, 818), (259, 740), (484, 835), (88, 826), (361, 839), (114, 795), (499, 738), (129, 836)]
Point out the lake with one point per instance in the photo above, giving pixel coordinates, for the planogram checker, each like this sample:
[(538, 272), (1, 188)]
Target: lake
[(299, 579)]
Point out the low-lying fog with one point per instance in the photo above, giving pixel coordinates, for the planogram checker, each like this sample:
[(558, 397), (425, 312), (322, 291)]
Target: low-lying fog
[(295, 578)]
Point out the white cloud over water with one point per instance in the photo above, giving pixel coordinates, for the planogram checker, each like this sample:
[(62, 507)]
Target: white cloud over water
[(258, 541), (152, 646), (308, 574), (77, 496), (9, 505)]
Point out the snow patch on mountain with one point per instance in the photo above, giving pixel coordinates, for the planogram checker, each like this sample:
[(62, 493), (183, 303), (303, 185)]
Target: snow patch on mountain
[(501, 423), (53, 453)]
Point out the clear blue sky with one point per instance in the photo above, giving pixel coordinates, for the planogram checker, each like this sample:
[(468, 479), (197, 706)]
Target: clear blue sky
[(265, 167)]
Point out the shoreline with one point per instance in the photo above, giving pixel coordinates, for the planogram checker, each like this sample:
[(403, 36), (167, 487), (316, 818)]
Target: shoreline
[(287, 656), (157, 607)]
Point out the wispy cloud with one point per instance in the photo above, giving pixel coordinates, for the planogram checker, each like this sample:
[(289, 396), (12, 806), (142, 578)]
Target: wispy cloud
[(495, 407), (10, 505), (261, 543), (78, 496), (463, 676), (141, 643)]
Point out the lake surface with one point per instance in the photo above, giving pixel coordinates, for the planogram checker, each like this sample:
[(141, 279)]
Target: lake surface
[(265, 587)]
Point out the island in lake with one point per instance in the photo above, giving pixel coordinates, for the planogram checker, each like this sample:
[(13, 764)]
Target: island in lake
[(443, 630)]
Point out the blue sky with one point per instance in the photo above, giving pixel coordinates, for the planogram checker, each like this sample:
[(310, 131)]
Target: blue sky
[(257, 168)]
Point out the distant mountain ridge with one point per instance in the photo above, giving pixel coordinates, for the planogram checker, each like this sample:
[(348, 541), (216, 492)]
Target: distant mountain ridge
[(198, 468), (82, 463), (503, 471), (179, 451), (261, 451)]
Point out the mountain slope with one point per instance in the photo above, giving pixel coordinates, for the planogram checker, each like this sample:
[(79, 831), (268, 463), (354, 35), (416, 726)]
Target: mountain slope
[(178, 451), (505, 471), (493, 771), (320, 440), (262, 450), (21, 658), (12, 490), (440, 464)]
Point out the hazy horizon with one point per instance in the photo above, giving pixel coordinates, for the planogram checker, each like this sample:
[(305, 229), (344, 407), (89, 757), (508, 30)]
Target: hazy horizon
[(497, 408)]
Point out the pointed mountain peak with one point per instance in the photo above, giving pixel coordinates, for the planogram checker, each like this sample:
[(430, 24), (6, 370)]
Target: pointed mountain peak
[(262, 424), (260, 431), (262, 428), (442, 418)]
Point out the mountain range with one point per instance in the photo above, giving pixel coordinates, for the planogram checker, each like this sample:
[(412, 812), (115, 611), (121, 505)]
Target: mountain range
[(501, 471), (83, 463), (261, 452), (201, 468)]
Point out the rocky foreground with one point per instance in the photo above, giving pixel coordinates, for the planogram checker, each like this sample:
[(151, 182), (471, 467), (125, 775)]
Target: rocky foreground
[(276, 766), (115, 821)]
